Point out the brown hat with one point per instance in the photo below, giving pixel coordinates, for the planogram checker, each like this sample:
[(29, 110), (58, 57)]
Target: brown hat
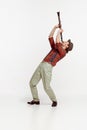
[(70, 46)]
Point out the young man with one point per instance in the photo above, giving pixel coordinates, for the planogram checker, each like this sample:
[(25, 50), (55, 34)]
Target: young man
[(44, 70)]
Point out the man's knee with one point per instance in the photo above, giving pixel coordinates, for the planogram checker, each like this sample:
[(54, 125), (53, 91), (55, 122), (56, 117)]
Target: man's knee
[(32, 83), (47, 88)]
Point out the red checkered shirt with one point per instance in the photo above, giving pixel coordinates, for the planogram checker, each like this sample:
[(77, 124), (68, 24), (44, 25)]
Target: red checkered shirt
[(56, 53)]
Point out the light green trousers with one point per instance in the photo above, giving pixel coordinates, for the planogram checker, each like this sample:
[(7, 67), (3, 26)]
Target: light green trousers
[(44, 72)]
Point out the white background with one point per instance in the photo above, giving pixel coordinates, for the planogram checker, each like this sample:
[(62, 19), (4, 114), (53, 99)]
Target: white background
[(24, 29)]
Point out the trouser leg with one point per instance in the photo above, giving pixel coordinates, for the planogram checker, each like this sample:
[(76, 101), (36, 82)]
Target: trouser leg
[(46, 73), (33, 82)]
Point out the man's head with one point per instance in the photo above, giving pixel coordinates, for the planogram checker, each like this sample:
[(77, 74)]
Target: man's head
[(68, 45)]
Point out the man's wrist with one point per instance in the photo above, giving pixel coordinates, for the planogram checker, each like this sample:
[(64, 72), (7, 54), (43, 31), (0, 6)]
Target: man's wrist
[(56, 26)]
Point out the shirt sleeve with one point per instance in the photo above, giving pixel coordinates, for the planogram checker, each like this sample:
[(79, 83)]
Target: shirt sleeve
[(61, 51), (52, 43)]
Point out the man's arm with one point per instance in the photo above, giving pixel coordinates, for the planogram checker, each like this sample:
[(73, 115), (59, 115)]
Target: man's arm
[(58, 37), (51, 39), (53, 30), (59, 47)]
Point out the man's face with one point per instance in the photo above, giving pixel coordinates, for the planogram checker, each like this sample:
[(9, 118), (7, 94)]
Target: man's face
[(65, 45)]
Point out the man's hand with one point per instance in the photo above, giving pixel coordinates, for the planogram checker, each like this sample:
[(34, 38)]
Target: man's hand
[(57, 26)]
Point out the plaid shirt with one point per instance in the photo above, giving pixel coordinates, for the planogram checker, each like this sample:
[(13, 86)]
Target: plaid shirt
[(56, 53)]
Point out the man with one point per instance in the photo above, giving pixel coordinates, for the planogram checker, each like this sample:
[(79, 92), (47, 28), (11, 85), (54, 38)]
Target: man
[(44, 70)]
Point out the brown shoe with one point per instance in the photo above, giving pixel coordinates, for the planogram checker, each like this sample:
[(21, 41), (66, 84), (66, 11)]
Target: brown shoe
[(34, 102), (54, 104)]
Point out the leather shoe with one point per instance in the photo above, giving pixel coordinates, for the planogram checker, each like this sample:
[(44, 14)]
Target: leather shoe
[(54, 103), (34, 102)]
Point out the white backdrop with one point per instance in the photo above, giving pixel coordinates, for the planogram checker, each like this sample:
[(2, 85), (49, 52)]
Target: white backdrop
[(24, 29)]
